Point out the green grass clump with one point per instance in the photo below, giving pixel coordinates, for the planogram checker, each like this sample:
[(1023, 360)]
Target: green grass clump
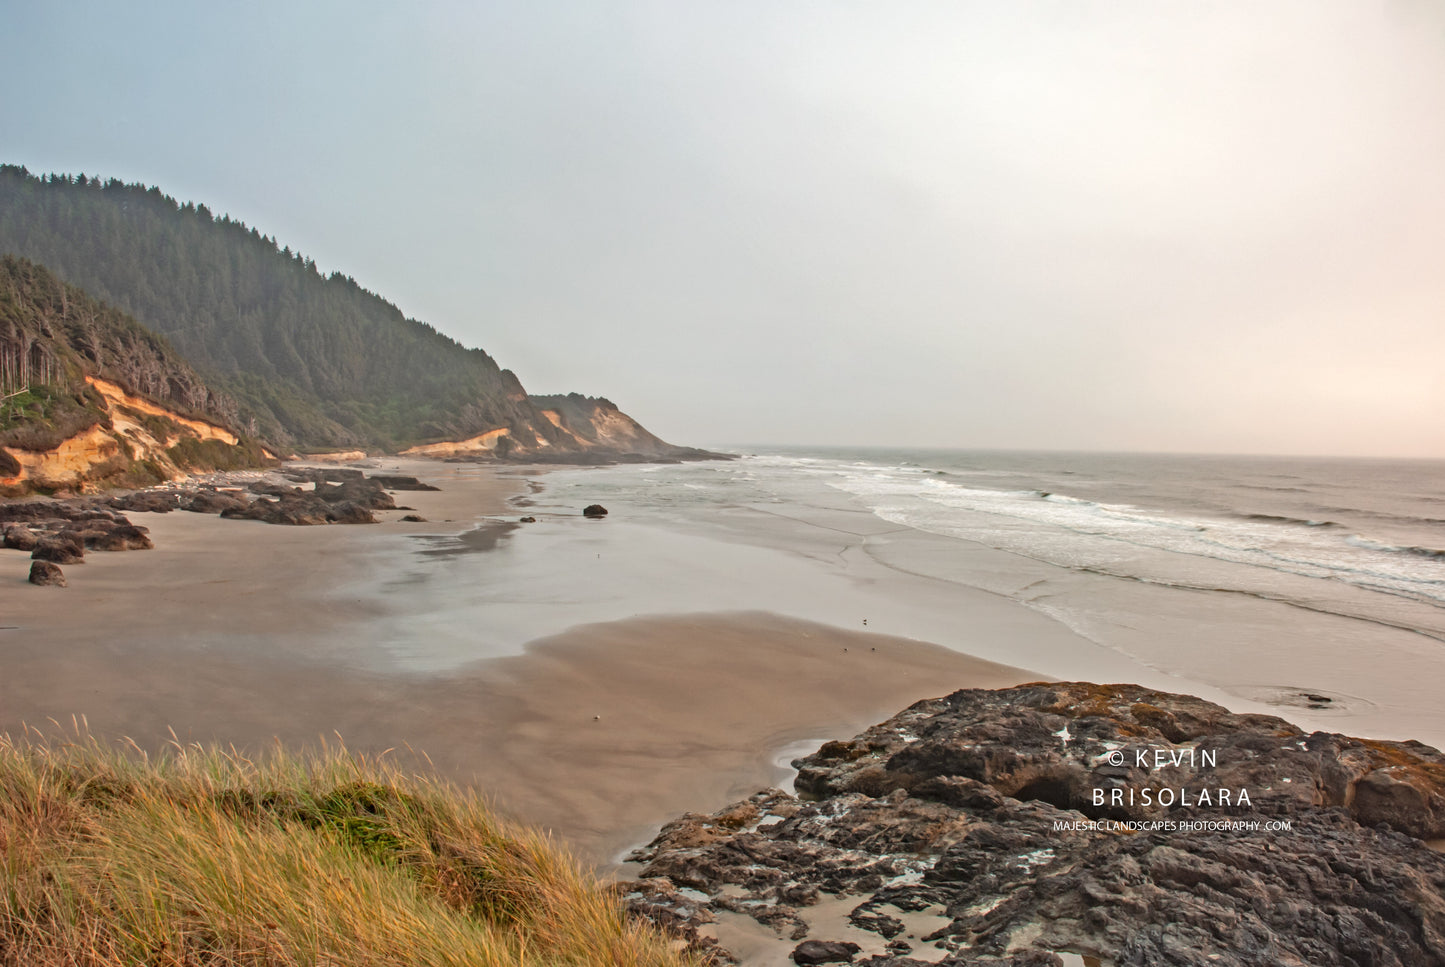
[(195, 454), (44, 417), (204, 857)]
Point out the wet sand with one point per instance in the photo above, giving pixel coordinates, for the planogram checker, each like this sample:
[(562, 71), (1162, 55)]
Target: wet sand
[(242, 633)]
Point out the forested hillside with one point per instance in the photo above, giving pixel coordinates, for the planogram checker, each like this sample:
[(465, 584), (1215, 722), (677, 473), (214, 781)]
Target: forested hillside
[(312, 360), (61, 353)]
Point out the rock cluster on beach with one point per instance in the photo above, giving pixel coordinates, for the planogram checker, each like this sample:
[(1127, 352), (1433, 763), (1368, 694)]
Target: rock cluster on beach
[(983, 828), (59, 532), (334, 497)]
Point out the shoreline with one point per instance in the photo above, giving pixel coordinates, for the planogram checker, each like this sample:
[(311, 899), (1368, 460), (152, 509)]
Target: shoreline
[(242, 633), (490, 646)]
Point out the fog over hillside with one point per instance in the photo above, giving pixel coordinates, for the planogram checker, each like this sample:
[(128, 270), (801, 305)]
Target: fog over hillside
[(1209, 227)]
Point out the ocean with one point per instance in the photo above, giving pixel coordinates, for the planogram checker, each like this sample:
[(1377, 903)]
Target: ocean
[(1311, 587)]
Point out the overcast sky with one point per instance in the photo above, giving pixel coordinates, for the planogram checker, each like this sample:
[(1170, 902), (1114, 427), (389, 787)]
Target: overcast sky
[(1185, 226)]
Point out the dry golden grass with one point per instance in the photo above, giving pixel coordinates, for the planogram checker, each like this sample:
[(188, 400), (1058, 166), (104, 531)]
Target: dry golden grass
[(205, 857)]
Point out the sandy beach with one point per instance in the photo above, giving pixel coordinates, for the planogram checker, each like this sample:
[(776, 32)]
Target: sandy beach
[(244, 633)]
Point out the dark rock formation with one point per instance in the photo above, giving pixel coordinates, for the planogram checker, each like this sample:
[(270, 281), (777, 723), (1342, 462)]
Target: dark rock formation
[(349, 512), (414, 519), (824, 952), (45, 573), (212, 502), (985, 827), (116, 535), (126, 537), (60, 531), (338, 496), (59, 550), (152, 501), (401, 483), (32, 511), (292, 510), (594, 510), (528, 520), (19, 537)]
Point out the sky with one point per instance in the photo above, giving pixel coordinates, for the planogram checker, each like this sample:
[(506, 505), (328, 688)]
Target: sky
[(1084, 225)]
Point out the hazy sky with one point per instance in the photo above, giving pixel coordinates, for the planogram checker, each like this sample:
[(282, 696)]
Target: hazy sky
[(1198, 226)]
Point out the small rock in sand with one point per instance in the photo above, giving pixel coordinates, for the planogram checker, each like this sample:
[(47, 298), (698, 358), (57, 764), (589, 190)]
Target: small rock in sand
[(44, 574)]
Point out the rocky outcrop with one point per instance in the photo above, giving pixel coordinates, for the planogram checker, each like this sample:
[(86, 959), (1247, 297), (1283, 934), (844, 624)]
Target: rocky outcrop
[(570, 429), (1011, 826), (59, 532), (147, 501), (594, 510), (392, 482), (19, 537), (211, 501), (59, 550), (334, 497)]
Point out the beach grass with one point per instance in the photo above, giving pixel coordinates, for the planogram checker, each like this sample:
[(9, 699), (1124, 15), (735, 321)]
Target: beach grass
[(202, 856)]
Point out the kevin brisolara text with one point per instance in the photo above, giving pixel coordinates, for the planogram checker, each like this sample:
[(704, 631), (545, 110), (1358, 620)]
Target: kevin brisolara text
[(1171, 825), (1149, 796)]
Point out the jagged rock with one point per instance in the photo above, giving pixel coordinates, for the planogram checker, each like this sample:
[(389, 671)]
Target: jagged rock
[(212, 502), (86, 532), (966, 811), (122, 537), (58, 550), (824, 952), (20, 538), (151, 501), (529, 520), (292, 510), (302, 509), (401, 483), (46, 573), (334, 474), (366, 492), (594, 510), (1012, 741), (31, 511), (349, 512), (269, 488)]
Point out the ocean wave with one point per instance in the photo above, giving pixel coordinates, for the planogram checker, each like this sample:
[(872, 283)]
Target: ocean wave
[(1276, 490), (1278, 519), (1417, 551), (1065, 499), (1407, 519)]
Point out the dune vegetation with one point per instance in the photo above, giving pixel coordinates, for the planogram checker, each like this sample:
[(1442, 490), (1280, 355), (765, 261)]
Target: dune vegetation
[(207, 857)]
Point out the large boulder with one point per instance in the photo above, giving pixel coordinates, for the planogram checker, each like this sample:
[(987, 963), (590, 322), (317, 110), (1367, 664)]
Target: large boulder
[(59, 550), (984, 828), (123, 537), (149, 501), (213, 502), (594, 510), (401, 483), (824, 952), (45, 573), (19, 537), (349, 512)]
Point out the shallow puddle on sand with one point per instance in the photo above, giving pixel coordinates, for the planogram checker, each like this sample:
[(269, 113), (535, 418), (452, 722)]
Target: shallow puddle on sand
[(758, 946), (1077, 960)]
